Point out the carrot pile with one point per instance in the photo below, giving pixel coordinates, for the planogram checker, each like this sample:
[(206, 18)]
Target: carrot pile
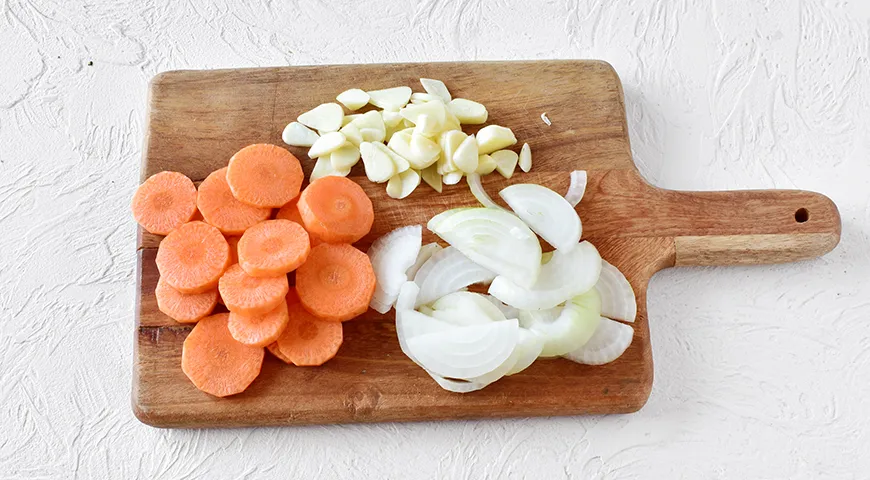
[(222, 246)]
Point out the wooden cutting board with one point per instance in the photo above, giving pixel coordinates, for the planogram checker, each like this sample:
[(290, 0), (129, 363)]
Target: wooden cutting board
[(198, 119)]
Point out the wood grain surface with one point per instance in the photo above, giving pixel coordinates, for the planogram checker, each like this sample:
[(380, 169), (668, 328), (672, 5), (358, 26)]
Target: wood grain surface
[(198, 119)]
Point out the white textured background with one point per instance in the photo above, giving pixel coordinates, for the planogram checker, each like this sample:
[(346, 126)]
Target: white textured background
[(761, 372)]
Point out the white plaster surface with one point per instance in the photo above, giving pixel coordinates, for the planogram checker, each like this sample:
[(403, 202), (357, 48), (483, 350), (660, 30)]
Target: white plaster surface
[(761, 372)]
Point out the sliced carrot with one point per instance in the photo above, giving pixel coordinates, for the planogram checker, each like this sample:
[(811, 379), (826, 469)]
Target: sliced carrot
[(215, 362), (336, 283), (233, 242), (220, 208), (264, 175), (290, 212), (309, 341), (336, 210), (259, 330), (193, 257), (181, 307), (273, 247), (250, 296), (164, 202), (275, 350)]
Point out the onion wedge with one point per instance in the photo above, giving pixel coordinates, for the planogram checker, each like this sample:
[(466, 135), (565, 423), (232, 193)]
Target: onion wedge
[(546, 212), (577, 187), (447, 271), (391, 256), (466, 352), (617, 297), (426, 252), (567, 329), (476, 186), (466, 308), (529, 346), (608, 343)]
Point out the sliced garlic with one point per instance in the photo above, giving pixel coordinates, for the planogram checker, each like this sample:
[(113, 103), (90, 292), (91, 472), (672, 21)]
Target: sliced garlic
[(372, 134), (391, 119), (437, 88), (299, 135), (327, 144), (390, 98), (325, 118), (432, 177), (378, 165), (468, 111), (436, 111), (344, 158), (449, 142), (505, 162), (424, 151), (494, 137), (526, 158), (349, 118), (353, 99), (323, 168), (465, 156), (426, 126), (401, 185), (352, 134), (418, 98), (400, 162), (452, 178), (485, 165)]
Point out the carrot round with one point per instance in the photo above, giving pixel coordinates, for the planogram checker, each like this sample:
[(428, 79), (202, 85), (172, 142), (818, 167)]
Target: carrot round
[(309, 341), (290, 212), (259, 330), (275, 350), (164, 202), (336, 283), (336, 210), (250, 296), (273, 247), (215, 362), (220, 208), (181, 307), (193, 257), (264, 175)]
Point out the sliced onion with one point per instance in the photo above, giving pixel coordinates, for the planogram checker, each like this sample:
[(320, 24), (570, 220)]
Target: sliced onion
[(495, 239), (507, 310), (466, 308), (415, 324), (609, 342), (546, 212), (567, 330), (529, 346), (466, 352), (577, 187), (447, 271), (391, 256), (565, 276), (479, 193), (617, 297), (426, 252)]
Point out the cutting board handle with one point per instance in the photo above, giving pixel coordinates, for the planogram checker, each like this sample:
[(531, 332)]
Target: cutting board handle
[(752, 227)]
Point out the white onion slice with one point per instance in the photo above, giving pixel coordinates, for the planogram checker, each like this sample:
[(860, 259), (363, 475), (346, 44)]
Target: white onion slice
[(391, 256), (466, 352), (507, 310), (609, 342), (447, 271), (617, 297), (494, 239), (457, 386), (565, 276), (466, 308), (565, 329), (546, 212), (479, 193), (529, 346), (426, 252), (577, 187)]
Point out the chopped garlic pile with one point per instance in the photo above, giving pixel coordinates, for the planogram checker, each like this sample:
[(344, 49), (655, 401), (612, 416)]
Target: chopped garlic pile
[(413, 137)]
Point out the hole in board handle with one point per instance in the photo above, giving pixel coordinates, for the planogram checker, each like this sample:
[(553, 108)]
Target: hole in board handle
[(801, 215)]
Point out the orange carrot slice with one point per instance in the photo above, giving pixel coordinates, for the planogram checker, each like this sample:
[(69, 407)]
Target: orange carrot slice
[(336, 210), (290, 212), (220, 208), (250, 296), (233, 242), (164, 202), (259, 330), (309, 341), (264, 175), (215, 362), (193, 257), (184, 308), (275, 350), (273, 247), (336, 283)]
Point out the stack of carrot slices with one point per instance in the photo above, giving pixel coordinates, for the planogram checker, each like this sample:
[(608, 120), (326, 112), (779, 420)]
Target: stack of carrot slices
[(222, 246)]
